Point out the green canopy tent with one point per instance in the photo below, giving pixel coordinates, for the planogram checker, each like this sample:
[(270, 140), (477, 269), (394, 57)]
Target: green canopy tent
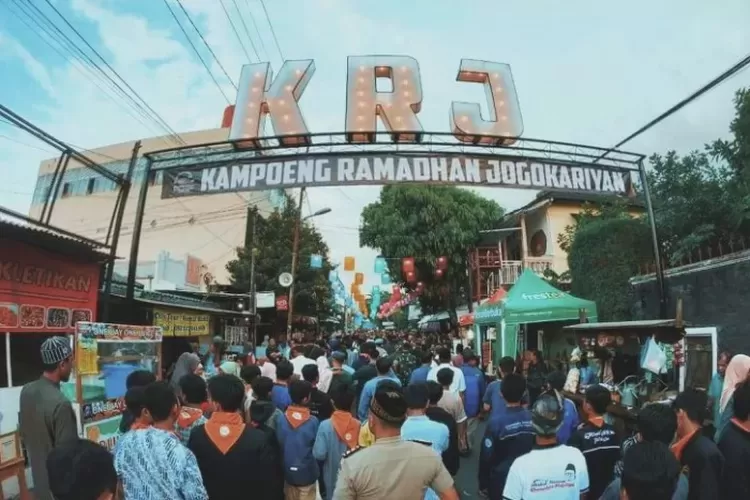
[(534, 300)]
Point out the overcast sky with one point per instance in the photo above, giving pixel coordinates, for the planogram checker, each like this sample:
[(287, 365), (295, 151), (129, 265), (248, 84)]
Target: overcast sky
[(586, 71)]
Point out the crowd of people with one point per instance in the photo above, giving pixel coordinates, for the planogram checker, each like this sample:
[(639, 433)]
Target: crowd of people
[(380, 417)]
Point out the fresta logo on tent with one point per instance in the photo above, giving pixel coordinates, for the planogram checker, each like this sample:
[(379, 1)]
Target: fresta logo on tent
[(542, 295)]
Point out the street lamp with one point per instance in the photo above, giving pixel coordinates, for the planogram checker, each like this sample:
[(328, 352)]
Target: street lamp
[(295, 251), (322, 211)]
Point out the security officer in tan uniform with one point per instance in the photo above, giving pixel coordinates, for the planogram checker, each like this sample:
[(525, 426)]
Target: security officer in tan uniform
[(392, 468)]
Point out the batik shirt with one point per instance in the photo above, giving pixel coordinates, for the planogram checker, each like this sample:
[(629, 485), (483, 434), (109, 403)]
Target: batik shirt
[(153, 465), (405, 363)]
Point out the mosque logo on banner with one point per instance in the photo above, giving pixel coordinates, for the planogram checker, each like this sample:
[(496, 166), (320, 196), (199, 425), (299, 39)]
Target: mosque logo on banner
[(261, 97)]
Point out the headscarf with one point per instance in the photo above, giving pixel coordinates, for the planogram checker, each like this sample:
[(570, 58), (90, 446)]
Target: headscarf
[(230, 368), (185, 365), (324, 373), (737, 371)]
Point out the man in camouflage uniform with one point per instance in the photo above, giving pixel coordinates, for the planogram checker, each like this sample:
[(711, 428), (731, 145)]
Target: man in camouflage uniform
[(404, 362)]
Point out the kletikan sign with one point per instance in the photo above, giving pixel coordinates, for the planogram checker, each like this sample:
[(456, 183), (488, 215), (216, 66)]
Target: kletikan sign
[(260, 97)]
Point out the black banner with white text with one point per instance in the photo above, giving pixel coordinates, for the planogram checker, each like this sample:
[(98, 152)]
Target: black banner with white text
[(389, 168)]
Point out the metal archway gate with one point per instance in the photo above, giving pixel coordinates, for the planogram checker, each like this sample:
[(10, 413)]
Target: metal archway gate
[(331, 159)]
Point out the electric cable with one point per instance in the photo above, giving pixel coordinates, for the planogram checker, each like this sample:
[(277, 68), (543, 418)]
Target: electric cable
[(255, 27), (210, 50), (197, 53), (732, 71), (273, 31), (236, 33), (156, 115), (247, 32), (78, 62)]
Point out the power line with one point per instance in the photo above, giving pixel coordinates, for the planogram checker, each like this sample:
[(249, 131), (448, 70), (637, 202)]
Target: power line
[(61, 38), (273, 32), (106, 63), (236, 33), (206, 43), (247, 32), (255, 28), (742, 64), (195, 49)]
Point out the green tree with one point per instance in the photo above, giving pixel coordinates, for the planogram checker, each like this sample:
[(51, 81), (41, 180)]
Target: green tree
[(426, 222), (605, 248), (273, 256)]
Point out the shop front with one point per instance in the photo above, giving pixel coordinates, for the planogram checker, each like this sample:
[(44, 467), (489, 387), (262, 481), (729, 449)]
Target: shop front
[(43, 292)]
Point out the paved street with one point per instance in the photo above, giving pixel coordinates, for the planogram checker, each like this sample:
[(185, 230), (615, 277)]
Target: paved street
[(466, 479)]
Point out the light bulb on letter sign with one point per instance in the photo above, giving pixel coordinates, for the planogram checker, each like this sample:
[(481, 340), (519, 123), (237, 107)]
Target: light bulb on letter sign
[(396, 108), (505, 124), (260, 95)]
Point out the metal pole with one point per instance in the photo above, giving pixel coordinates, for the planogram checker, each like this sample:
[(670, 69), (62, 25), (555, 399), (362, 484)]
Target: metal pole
[(655, 241), (52, 184), (295, 250), (124, 193), (57, 188), (253, 299), (137, 227)]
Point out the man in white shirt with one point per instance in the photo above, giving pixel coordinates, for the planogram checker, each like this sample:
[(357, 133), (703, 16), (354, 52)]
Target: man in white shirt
[(299, 360), (459, 382), (551, 471)]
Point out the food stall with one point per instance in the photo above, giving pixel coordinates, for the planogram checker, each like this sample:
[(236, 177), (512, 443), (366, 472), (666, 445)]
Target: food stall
[(105, 354), (617, 351)]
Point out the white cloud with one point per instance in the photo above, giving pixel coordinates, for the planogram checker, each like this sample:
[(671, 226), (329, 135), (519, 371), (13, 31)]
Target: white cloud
[(586, 71)]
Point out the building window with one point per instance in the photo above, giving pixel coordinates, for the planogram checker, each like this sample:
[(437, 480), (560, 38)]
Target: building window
[(91, 187), (152, 178), (66, 190), (538, 244)]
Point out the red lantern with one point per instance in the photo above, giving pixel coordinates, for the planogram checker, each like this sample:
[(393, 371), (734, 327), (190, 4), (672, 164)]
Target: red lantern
[(396, 293), (439, 273), (442, 262), (407, 265), (411, 276)]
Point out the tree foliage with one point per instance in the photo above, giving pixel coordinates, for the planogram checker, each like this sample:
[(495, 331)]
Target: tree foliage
[(273, 255), (605, 248), (426, 222), (700, 200)]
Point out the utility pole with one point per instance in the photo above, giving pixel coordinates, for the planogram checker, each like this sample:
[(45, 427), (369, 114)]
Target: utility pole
[(295, 251), (250, 232)]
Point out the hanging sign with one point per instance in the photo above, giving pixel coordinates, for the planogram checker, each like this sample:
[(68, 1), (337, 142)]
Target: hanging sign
[(282, 303), (370, 168), (316, 261), (44, 292), (180, 324)]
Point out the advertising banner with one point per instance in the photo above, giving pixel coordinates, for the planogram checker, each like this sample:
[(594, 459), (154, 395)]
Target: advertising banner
[(180, 324), (44, 292), (391, 168), (282, 303)]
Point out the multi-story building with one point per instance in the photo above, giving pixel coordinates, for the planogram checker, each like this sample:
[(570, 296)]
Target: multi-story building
[(528, 238), (201, 232)]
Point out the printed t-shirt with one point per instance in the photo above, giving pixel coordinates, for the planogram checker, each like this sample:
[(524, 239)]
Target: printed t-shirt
[(548, 473)]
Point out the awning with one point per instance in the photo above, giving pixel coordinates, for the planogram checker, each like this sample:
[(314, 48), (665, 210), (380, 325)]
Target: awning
[(534, 300), (491, 312)]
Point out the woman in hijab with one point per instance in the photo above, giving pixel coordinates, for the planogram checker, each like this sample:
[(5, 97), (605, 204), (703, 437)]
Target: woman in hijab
[(737, 371), (187, 363), (214, 357)]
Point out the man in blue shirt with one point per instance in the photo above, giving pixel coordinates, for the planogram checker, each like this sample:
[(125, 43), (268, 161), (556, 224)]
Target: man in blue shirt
[(493, 398), (556, 382), (383, 366), (420, 374), (418, 427), (509, 435), (475, 388)]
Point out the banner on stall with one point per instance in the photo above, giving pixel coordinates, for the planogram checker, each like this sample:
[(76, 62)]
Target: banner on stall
[(180, 324)]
